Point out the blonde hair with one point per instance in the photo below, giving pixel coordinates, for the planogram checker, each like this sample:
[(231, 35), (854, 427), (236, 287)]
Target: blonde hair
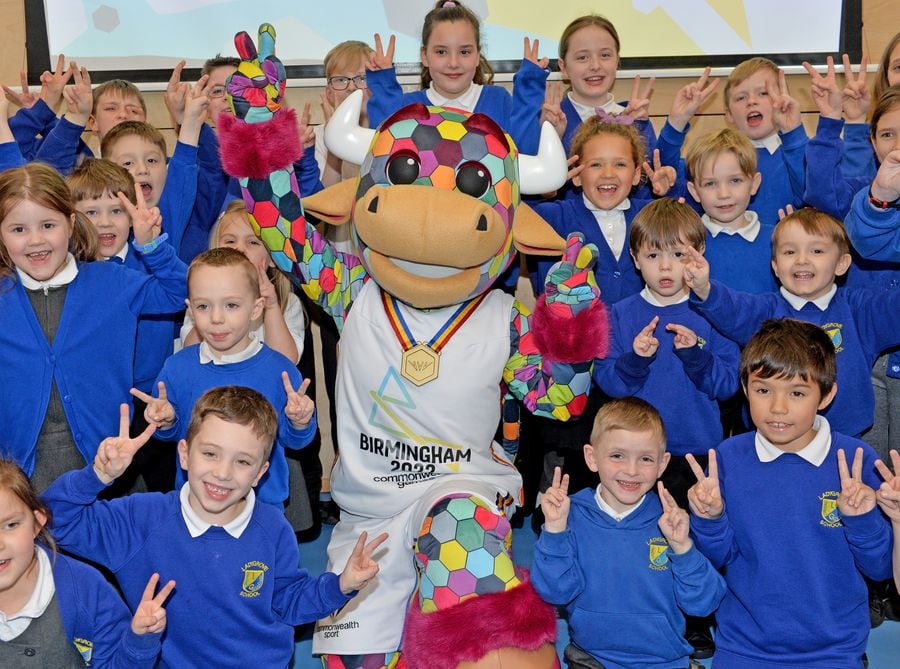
[(351, 51), (240, 405), (41, 184), (814, 223), (583, 22), (277, 277), (713, 144), (118, 88), (96, 176), (225, 257), (15, 480), (747, 69), (596, 126), (881, 81), (628, 413), (448, 11), (140, 129), (664, 224)]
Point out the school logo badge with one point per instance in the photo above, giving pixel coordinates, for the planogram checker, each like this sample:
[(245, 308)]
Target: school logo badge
[(831, 517), (254, 576), (701, 342), (659, 557), (85, 648), (833, 330)]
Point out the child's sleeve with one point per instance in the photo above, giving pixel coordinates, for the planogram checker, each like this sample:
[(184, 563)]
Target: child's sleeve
[(29, 122), (875, 232), (715, 539), (212, 185), (307, 171), (387, 95), (699, 588), (713, 369), (735, 314), (10, 156), (288, 435), (793, 152), (622, 372), (871, 543), (300, 598), (859, 159), (180, 192), (555, 572), (101, 531), (670, 143), (62, 145), (877, 314), (529, 88), (827, 187), (165, 289)]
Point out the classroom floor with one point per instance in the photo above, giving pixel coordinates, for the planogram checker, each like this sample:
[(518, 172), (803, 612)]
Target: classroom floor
[(883, 649)]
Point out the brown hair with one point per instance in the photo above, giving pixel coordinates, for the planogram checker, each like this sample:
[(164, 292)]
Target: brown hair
[(96, 176), (118, 88), (881, 81), (238, 209), (41, 184), (815, 223), (884, 103), (747, 69), (236, 404), (140, 129), (596, 126), (785, 348), (628, 413), (711, 145), (583, 22), (15, 480), (448, 11), (664, 224), (349, 51), (218, 61), (225, 257)]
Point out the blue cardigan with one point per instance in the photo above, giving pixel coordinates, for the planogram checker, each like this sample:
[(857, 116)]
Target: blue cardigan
[(237, 598), (623, 588), (794, 568), (92, 357), (95, 617)]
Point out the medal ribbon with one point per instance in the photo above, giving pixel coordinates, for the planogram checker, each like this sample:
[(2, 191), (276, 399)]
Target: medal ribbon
[(442, 336)]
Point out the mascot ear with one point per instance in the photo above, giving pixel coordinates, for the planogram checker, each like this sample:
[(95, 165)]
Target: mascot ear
[(333, 204), (533, 235)]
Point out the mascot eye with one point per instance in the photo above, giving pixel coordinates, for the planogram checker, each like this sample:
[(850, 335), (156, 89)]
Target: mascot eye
[(473, 179), (403, 169)]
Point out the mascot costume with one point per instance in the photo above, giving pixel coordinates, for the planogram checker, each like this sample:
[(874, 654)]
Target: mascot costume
[(426, 345)]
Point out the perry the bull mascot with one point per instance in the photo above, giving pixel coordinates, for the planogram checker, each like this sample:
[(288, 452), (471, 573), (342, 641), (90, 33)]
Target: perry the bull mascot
[(426, 342)]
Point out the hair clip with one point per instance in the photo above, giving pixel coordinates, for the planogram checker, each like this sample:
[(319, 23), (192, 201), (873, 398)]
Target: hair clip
[(606, 117), (448, 3)]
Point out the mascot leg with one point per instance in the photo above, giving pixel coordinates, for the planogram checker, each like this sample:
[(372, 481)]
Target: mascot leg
[(474, 611), (378, 661)]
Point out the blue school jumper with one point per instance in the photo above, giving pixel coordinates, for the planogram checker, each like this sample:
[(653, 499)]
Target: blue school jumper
[(31, 126), (861, 324), (794, 568), (10, 156), (625, 591), (186, 379), (741, 264), (237, 598), (682, 384), (92, 356)]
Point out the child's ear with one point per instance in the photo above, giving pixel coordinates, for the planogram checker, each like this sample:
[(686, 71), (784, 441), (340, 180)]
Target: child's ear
[(40, 521), (634, 259), (92, 123), (843, 265), (826, 400), (663, 463), (258, 305), (589, 457), (262, 470), (183, 454), (692, 189), (576, 180), (757, 182), (638, 173), (562, 68)]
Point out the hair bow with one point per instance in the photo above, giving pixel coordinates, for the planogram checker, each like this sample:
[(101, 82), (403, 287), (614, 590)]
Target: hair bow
[(606, 117)]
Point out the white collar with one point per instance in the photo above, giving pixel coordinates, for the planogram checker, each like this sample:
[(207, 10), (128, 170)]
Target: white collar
[(466, 101), (748, 231), (63, 277), (13, 625), (814, 452), (123, 252), (798, 302), (616, 515), (770, 143), (586, 111), (207, 356), (197, 526), (591, 207), (650, 298)]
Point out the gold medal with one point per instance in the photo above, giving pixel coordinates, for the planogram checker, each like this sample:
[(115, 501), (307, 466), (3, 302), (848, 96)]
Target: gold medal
[(420, 364)]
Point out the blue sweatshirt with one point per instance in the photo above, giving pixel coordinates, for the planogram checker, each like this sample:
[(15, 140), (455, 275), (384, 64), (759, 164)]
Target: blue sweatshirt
[(510, 112), (861, 323), (827, 186), (95, 617), (624, 590), (796, 595), (10, 156), (740, 264), (186, 379), (874, 232), (92, 356), (236, 599), (617, 279), (783, 172), (682, 384)]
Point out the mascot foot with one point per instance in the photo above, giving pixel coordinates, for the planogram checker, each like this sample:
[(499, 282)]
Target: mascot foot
[(510, 629)]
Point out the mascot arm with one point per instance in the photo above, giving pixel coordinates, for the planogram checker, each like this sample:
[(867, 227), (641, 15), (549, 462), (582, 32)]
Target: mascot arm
[(552, 351), (259, 145)]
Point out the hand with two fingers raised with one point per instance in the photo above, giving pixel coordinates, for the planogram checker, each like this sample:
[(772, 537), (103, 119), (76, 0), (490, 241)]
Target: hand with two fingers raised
[(555, 503), (159, 411), (674, 523), (150, 616), (361, 567), (705, 496), (115, 454), (299, 407), (856, 497)]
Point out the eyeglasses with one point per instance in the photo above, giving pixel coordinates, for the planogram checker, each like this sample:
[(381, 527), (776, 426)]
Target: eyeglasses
[(216, 92), (341, 83)]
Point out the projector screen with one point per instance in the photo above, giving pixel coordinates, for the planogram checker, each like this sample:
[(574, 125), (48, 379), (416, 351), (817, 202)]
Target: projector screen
[(141, 40)]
